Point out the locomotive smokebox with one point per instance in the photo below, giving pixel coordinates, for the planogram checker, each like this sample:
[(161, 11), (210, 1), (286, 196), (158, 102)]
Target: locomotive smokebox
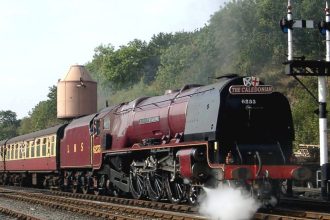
[(76, 94)]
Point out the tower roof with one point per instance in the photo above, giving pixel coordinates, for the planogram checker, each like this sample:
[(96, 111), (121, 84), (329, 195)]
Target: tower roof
[(78, 73)]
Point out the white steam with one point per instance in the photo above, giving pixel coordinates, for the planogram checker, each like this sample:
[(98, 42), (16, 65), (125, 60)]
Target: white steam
[(225, 203)]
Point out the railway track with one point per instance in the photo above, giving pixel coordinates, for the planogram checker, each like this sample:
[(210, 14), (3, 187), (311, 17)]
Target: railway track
[(132, 202), (16, 215), (278, 213), (305, 203), (124, 208), (288, 214), (99, 209)]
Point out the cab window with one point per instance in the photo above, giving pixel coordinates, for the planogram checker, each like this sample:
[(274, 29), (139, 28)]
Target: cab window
[(106, 123), (96, 127)]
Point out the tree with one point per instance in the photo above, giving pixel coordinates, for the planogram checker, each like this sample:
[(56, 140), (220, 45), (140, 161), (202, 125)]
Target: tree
[(124, 67), (43, 115), (25, 126), (157, 45), (304, 118), (189, 60), (8, 124)]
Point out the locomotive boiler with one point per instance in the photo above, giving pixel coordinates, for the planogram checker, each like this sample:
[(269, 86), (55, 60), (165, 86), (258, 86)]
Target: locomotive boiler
[(236, 131)]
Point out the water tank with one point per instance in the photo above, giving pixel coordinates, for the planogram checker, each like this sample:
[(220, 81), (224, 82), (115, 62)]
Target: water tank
[(76, 94)]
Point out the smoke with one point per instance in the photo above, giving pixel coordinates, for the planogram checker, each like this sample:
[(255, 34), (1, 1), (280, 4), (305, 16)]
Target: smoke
[(226, 203)]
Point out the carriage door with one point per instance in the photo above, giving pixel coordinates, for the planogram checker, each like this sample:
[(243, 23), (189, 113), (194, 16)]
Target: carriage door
[(96, 143)]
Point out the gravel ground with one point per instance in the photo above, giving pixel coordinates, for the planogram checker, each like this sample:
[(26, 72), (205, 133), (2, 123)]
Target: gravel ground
[(4, 217), (39, 211)]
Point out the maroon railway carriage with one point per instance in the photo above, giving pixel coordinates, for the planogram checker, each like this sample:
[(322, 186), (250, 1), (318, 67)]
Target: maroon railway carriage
[(26, 157), (2, 154)]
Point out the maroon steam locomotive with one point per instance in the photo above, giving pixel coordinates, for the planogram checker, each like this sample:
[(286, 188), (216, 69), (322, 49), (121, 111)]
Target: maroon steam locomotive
[(236, 131)]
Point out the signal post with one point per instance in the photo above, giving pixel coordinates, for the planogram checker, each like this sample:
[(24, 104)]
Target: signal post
[(318, 68)]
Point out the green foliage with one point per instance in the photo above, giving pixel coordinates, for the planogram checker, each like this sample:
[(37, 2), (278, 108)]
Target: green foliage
[(8, 124), (186, 61), (130, 63), (124, 66), (25, 126), (304, 118), (43, 115), (138, 90)]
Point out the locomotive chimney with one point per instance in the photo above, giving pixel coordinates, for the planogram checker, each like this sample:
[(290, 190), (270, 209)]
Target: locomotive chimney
[(76, 94)]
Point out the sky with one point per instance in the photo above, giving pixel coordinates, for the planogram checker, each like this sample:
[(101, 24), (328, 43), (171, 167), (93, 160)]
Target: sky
[(41, 39)]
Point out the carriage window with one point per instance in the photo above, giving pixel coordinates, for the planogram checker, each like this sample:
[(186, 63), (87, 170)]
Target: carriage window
[(106, 123), (44, 147), (52, 145), (19, 151), (32, 149), (7, 153), (22, 151), (27, 150), (16, 151), (18, 155), (38, 148), (12, 152)]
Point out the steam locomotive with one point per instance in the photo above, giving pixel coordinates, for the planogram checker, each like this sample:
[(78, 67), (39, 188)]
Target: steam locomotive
[(237, 132)]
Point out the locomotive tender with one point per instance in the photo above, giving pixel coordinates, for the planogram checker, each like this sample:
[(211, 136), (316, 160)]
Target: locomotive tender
[(236, 132)]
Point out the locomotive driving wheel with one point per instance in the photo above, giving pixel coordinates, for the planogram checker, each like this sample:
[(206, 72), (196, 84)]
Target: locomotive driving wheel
[(155, 185), (136, 185), (174, 189), (194, 192)]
